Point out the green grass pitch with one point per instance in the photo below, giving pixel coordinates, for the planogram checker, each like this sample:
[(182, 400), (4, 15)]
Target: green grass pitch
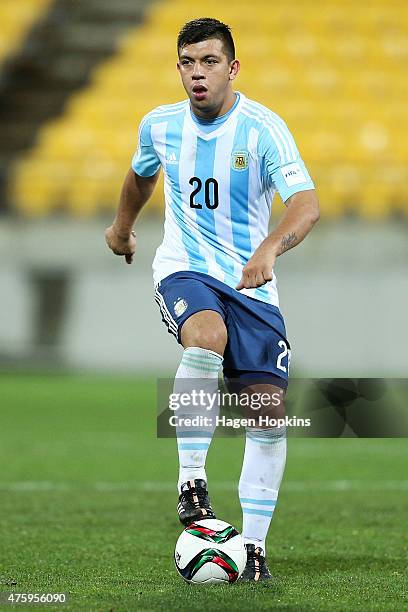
[(88, 507)]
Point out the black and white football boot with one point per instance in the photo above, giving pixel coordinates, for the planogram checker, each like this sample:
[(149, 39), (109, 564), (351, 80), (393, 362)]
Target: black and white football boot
[(256, 568), (194, 503)]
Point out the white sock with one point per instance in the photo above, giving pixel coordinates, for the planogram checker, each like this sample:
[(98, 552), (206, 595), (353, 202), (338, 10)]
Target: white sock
[(198, 371), (262, 471)]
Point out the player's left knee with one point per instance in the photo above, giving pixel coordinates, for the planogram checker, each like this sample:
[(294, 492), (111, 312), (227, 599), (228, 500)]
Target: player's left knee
[(266, 401)]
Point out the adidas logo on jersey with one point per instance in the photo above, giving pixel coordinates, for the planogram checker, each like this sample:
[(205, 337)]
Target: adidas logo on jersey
[(171, 158)]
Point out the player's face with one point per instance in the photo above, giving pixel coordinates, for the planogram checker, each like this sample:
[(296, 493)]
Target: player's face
[(207, 74)]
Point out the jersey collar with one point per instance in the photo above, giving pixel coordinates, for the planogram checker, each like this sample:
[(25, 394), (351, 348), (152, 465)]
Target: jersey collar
[(195, 127)]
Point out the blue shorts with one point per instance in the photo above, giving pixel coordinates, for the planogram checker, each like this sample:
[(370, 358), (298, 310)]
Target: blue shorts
[(257, 344)]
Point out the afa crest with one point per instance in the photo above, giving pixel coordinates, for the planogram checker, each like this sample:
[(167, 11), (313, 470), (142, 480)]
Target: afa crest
[(239, 160), (180, 307)]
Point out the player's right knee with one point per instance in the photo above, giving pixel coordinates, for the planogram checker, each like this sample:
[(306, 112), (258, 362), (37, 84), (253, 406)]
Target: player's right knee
[(208, 333), (211, 339)]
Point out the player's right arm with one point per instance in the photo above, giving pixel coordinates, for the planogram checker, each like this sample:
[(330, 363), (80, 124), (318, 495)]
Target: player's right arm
[(136, 191)]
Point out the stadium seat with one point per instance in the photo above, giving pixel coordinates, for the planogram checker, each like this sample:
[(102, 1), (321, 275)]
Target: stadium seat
[(335, 72), (16, 18)]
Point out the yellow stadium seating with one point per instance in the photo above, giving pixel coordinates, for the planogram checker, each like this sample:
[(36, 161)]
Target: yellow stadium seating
[(16, 17), (335, 71)]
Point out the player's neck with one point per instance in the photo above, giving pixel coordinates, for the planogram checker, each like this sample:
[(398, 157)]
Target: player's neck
[(211, 114)]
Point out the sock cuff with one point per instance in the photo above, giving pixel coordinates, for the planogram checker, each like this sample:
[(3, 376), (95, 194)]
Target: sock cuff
[(201, 360), (272, 434)]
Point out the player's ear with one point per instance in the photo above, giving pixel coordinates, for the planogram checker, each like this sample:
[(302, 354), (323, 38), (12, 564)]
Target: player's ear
[(234, 69)]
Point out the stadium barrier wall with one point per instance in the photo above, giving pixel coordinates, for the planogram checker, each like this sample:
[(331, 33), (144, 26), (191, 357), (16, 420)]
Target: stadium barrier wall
[(67, 300)]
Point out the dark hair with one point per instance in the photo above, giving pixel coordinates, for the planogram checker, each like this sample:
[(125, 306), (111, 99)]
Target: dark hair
[(204, 28)]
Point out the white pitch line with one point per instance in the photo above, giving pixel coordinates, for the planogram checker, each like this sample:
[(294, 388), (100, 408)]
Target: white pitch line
[(289, 486)]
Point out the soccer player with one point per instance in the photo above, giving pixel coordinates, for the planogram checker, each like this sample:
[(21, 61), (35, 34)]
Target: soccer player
[(223, 157)]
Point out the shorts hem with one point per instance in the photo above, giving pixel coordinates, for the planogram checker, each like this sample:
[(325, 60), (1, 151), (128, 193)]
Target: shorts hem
[(264, 377)]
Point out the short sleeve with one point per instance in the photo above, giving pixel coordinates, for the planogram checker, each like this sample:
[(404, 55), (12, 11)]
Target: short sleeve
[(282, 164), (145, 161)]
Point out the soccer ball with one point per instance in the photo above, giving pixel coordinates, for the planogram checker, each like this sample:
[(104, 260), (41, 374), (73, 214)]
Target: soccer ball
[(210, 551)]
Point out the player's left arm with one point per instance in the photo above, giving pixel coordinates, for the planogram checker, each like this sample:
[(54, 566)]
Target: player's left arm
[(282, 168), (300, 216)]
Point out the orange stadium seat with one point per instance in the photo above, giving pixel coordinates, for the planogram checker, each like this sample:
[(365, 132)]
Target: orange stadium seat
[(336, 72)]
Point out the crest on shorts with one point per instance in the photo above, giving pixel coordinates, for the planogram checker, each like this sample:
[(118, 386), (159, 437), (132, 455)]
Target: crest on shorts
[(239, 160), (180, 306)]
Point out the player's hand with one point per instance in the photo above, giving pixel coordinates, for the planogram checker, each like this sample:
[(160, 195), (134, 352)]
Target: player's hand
[(121, 244), (259, 269)]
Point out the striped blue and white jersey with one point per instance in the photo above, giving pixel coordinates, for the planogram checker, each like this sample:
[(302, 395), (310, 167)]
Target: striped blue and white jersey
[(218, 187)]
